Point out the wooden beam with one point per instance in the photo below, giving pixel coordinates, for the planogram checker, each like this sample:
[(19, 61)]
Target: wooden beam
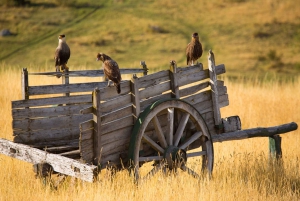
[(97, 127), (24, 86), (214, 88), (174, 80), (136, 108), (255, 132), (59, 164)]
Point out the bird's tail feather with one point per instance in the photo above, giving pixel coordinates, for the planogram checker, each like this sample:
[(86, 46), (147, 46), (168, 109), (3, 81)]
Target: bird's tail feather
[(118, 88)]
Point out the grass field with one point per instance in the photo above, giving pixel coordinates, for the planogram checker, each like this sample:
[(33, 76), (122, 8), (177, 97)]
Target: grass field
[(241, 172), (251, 37)]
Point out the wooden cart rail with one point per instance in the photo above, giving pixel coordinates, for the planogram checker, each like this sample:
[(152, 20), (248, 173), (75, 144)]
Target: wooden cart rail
[(105, 138), (52, 122)]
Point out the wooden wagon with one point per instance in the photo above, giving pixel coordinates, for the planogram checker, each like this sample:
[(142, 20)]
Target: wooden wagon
[(164, 118)]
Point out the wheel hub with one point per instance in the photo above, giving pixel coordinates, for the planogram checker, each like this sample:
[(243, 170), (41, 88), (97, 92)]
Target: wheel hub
[(175, 157)]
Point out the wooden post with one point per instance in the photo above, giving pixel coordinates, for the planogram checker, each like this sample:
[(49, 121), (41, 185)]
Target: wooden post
[(275, 147), (97, 127), (143, 63), (214, 89), (65, 80), (135, 97), (24, 86), (173, 80)]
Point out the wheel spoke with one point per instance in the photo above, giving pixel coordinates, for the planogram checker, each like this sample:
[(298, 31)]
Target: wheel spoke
[(181, 126), (171, 126), (194, 154), (156, 169), (151, 158), (153, 144), (159, 132), (192, 139), (190, 171)]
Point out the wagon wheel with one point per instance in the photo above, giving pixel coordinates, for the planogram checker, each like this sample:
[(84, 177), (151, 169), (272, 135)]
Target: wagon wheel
[(168, 133)]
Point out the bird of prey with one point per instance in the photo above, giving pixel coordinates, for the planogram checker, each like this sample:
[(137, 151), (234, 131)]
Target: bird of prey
[(111, 70), (193, 50), (62, 55)]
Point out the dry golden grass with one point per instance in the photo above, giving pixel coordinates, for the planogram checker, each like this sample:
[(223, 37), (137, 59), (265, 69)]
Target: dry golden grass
[(241, 171)]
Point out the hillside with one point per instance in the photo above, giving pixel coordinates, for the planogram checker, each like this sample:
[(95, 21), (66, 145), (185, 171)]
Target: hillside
[(251, 37)]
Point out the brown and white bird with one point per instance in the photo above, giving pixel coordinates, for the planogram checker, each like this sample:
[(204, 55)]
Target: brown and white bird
[(194, 50), (111, 70), (62, 55)]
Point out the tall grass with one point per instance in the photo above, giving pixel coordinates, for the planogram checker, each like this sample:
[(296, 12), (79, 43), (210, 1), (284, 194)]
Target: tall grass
[(241, 172)]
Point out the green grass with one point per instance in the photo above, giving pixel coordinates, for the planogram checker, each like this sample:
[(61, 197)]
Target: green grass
[(243, 34)]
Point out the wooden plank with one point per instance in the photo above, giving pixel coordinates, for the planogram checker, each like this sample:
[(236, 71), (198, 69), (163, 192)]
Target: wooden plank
[(193, 89), (86, 135), (116, 103), (111, 92), (31, 137), (113, 136), (116, 114), (184, 79), (118, 124), (153, 79), (214, 85), (93, 73), (43, 144), (76, 99), (24, 87), (173, 80), (190, 69), (255, 132), (115, 147), (60, 164), (49, 123), (97, 143), (147, 102), (48, 111), (70, 88), (136, 108), (155, 90), (86, 125)]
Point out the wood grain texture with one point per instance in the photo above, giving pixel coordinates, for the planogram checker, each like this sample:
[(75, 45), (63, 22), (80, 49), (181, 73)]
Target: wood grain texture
[(60, 164)]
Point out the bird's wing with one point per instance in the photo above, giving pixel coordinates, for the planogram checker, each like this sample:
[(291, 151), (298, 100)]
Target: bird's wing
[(57, 56), (187, 52), (112, 71)]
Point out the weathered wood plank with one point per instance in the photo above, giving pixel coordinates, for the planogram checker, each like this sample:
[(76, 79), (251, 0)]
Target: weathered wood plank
[(193, 89), (86, 125), (48, 111), (111, 92), (60, 164), (118, 124), (113, 136), (153, 79), (213, 84), (70, 88), (155, 90), (50, 123), (147, 102), (136, 108), (190, 69), (24, 87), (86, 135), (184, 79), (173, 79), (92, 73), (116, 103), (31, 137), (117, 114), (97, 143), (76, 99), (115, 147), (255, 132)]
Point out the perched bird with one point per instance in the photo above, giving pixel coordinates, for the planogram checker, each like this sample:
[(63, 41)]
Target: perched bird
[(62, 55), (111, 70), (193, 50)]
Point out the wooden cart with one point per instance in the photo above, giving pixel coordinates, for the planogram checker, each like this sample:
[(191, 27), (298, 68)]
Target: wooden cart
[(165, 118)]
